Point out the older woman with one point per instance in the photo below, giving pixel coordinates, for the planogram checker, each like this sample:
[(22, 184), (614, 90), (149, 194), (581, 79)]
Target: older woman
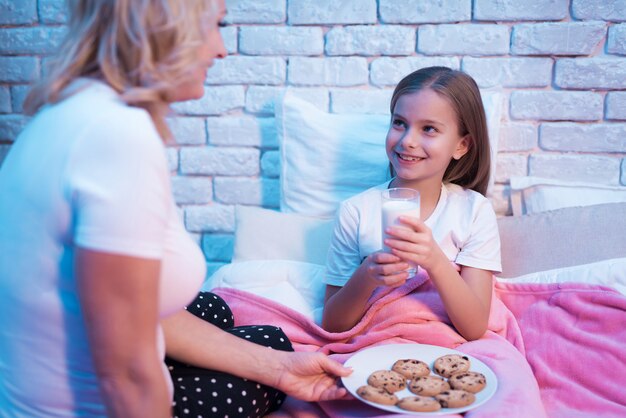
[(93, 257)]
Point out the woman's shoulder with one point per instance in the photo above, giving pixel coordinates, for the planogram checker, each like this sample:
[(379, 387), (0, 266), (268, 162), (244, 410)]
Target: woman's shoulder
[(104, 100), (100, 125), (106, 116)]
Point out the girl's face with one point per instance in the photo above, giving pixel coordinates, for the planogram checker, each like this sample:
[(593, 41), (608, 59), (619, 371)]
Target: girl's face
[(423, 138), (212, 47)]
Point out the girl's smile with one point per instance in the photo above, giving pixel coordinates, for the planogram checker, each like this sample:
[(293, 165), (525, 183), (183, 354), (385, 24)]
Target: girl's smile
[(408, 158)]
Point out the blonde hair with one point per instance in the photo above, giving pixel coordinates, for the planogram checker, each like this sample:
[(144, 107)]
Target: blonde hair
[(473, 169), (141, 48)]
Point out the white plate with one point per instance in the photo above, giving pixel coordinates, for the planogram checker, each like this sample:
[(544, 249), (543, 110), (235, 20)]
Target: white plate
[(382, 357)]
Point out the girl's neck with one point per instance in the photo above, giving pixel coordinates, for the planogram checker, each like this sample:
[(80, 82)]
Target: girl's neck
[(429, 194)]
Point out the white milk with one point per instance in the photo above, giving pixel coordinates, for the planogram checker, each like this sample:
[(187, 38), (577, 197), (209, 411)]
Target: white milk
[(391, 211)]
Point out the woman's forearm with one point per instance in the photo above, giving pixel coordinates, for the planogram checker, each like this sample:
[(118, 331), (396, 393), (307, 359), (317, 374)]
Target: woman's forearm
[(303, 375), (192, 340)]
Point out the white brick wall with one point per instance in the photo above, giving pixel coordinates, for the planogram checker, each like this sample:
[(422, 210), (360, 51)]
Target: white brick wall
[(509, 72), (616, 105), (463, 39), (334, 71), (563, 38), (282, 40), (616, 44), (323, 12), (556, 105), (561, 65), (610, 10), (388, 71), (575, 137), (591, 73), (509, 10), (370, 40)]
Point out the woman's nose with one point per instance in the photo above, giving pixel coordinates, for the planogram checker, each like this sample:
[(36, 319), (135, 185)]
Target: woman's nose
[(221, 48)]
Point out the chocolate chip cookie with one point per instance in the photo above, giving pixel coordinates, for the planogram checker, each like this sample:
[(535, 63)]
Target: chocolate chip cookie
[(411, 368), (428, 385), (450, 364)]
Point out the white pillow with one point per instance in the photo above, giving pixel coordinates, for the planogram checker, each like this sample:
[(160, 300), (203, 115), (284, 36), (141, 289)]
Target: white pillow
[(327, 158), (263, 234), (610, 273), (294, 284), (534, 194)]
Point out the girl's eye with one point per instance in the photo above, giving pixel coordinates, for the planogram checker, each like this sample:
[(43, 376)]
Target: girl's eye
[(429, 129), (398, 123), (222, 24)]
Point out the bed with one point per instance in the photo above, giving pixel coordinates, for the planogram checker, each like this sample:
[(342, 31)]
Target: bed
[(562, 292)]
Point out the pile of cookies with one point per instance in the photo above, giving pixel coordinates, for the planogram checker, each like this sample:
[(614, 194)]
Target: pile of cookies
[(454, 387)]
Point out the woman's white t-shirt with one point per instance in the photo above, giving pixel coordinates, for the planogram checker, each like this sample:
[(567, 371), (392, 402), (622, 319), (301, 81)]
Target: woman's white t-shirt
[(86, 172), (463, 224)]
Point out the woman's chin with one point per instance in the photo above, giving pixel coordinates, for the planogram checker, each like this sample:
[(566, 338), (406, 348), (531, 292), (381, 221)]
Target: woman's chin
[(182, 94)]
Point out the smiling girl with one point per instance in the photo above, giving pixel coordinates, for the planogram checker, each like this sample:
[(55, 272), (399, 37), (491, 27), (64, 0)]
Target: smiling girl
[(438, 145)]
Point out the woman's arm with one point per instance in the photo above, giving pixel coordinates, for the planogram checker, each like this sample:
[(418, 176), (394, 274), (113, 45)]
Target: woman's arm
[(119, 299), (344, 306), (306, 376)]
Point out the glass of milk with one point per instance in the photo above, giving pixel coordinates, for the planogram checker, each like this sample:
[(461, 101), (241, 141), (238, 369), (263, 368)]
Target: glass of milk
[(395, 203)]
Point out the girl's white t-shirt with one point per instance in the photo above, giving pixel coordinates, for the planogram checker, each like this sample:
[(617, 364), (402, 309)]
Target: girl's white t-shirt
[(463, 224), (86, 172)]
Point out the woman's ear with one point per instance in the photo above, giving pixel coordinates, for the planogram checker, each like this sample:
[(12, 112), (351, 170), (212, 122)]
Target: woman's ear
[(462, 147)]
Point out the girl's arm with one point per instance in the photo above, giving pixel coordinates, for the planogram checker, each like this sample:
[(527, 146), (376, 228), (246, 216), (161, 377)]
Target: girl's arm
[(345, 306), (119, 299), (466, 296), (306, 376)]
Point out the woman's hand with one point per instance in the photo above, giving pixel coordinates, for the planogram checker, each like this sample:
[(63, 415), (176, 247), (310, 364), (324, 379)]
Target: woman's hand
[(385, 269), (415, 243), (310, 376)]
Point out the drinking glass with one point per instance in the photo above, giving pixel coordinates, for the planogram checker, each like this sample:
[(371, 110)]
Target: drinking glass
[(397, 202)]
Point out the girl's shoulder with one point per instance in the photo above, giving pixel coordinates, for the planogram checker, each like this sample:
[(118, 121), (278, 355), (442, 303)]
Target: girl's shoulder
[(364, 204), (454, 191), (467, 200), (366, 195)]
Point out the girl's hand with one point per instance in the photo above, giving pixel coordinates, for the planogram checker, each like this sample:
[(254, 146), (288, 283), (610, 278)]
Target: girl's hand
[(383, 268), (415, 243)]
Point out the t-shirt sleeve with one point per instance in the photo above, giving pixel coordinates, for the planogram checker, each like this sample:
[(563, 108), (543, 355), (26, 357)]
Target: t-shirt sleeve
[(482, 247), (119, 186), (343, 254)]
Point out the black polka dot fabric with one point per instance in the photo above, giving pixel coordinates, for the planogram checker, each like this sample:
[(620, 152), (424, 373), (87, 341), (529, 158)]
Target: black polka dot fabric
[(207, 393)]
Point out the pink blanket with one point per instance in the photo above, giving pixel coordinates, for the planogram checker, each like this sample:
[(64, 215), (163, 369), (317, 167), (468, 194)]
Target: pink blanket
[(575, 339), (414, 313)]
